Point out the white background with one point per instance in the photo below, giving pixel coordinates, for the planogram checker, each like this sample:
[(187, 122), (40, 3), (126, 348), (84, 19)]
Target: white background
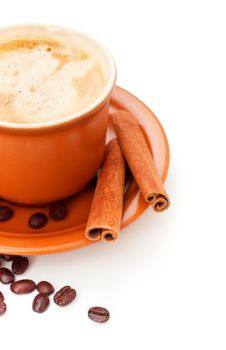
[(164, 281)]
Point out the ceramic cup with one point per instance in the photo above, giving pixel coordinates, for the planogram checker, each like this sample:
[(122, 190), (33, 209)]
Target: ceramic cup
[(45, 162)]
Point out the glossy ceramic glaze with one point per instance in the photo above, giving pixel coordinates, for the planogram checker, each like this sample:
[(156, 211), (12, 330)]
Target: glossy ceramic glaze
[(45, 162), (44, 165), (17, 238)]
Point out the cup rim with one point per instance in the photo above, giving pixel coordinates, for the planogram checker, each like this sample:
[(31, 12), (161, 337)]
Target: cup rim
[(86, 111)]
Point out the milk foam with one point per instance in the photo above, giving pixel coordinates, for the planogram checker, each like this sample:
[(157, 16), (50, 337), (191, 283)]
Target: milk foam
[(42, 81)]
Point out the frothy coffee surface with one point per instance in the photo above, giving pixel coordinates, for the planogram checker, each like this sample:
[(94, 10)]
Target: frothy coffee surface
[(43, 80)]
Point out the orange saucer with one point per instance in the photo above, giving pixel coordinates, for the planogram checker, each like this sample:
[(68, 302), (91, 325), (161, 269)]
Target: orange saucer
[(16, 237)]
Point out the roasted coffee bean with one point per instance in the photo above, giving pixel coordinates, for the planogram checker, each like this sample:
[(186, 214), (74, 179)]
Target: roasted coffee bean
[(2, 307), (98, 314), (20, 264), (40, 303), (5, 213), (1, 296), (57, 211), (8, 257), (6, 276), (37, 220), (23, 286), (64, 296), (45, 287)]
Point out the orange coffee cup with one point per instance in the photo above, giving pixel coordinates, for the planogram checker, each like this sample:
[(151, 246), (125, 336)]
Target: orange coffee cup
[(46, 162)]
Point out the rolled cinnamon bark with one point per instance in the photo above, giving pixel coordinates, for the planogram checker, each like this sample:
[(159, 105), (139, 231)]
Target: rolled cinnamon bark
[(106, 210), (139, 159)]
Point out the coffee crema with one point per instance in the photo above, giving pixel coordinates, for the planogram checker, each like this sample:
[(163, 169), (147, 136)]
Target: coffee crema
[(44, 80)]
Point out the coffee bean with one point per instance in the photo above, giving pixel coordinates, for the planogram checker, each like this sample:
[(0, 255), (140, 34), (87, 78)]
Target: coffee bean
[(5, 213), (45, 287), (64, 296), (98, 314), (23, 286), (40, 303), (37, 220), (57, 211), (1, 296), (6, 276), (8, 257), (20, 264), (2, 308)]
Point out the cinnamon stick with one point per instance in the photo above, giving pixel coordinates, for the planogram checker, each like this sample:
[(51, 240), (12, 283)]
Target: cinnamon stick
[(139, 159), (106, 210)]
